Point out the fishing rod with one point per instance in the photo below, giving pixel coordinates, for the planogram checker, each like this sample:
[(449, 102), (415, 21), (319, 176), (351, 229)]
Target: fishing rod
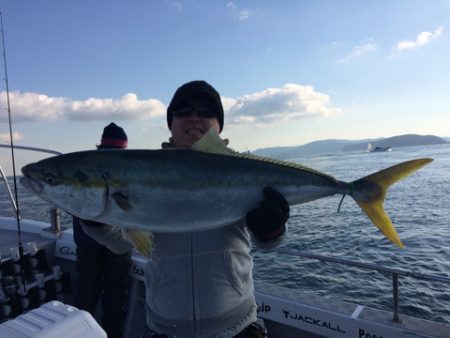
[(8, 105)]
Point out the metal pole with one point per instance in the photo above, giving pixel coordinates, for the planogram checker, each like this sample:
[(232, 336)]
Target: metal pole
[(54, 220)]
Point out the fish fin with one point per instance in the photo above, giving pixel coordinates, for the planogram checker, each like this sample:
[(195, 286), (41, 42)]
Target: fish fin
[(369, 192), (122, 201), (212, 143), (397, 172), (379, 217), (142, 240)]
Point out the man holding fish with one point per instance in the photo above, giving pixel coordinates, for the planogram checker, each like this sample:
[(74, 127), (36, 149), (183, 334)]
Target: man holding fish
[(200, 284), (202, 201)]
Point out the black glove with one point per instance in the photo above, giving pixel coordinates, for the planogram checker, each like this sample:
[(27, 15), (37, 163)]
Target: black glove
[(268, 221)]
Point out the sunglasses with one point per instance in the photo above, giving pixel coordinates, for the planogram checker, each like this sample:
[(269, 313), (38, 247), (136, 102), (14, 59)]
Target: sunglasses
[(200, 111)]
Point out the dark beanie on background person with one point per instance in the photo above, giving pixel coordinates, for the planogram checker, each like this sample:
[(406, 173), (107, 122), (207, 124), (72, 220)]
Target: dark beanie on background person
[(201, 90), (113, 137)]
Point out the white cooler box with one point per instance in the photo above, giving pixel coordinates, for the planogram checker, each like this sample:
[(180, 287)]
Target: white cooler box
[(53, 320)]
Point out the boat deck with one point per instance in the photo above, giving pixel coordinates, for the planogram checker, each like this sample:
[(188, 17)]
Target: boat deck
[(287, 312)]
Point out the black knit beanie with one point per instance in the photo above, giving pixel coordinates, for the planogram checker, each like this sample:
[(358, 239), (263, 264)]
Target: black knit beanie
[(113, 137), (196, 90)]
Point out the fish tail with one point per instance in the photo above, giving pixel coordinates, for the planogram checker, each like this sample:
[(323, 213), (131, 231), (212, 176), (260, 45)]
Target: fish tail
[(369, 192)]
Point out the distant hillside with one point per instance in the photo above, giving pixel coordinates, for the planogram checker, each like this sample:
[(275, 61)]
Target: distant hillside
[(316, 147), (334, 146)]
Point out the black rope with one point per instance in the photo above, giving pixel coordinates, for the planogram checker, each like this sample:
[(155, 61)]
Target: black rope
[(340, 203)]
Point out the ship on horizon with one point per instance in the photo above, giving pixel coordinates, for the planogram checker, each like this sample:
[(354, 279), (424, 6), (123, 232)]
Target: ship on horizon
[(372, 149)]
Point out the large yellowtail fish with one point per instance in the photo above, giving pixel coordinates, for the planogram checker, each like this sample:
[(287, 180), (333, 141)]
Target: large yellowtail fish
[(192, 190)]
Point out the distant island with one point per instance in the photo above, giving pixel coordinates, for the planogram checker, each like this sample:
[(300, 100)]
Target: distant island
[(334, 145)]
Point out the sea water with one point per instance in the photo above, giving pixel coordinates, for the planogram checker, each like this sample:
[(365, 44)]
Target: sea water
[(419, 206)]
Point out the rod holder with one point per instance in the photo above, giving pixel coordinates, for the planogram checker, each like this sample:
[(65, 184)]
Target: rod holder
[(55, 220)]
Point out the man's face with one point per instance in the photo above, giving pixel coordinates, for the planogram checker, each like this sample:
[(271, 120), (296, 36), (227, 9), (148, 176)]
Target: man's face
[(191, 122)]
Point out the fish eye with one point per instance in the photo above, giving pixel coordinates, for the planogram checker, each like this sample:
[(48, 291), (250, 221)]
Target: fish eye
[(50, 180)]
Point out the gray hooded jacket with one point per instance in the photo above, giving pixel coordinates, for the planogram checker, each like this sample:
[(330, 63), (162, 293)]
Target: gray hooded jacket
[(200, 284)]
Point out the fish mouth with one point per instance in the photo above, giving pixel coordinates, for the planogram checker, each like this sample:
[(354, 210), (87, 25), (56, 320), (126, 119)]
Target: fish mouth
[(28, 182), (31, 184)]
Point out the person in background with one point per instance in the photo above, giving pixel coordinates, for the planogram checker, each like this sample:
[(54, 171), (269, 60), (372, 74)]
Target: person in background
[(200, 284), (102, 273)]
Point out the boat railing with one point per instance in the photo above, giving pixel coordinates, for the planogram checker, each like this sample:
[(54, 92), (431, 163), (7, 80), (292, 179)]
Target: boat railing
[(395, 273), (54, 212), (40, 150)]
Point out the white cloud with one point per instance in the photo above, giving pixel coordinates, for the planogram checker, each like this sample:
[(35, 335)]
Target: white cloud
[(31, 106), (241, 14), (422, 39), (364, 47), (264, 108), (5, 137), (273, 105)]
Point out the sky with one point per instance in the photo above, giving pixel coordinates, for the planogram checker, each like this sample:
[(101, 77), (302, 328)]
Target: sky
[(288, 72)]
